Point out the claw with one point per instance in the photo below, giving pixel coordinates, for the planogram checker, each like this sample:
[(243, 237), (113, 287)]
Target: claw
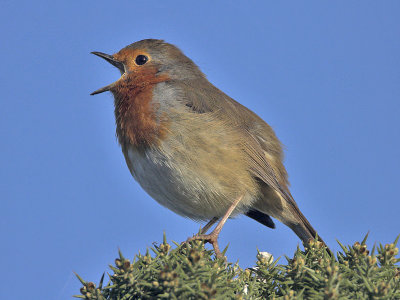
[(212, 238), (208, 238)]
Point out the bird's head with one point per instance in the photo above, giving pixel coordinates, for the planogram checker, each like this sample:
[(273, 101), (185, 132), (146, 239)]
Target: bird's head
[(150, 61)]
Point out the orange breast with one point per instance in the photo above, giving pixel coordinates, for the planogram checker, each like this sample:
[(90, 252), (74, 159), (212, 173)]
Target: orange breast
[(137, 118)]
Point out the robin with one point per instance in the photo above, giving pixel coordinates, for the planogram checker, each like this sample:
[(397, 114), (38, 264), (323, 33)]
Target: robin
[(194, 149)]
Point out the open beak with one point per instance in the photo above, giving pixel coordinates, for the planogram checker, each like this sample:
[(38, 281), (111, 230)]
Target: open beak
[(115, 63)]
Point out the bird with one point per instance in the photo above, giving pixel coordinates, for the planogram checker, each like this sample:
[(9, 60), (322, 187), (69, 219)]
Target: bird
[(194, 149)]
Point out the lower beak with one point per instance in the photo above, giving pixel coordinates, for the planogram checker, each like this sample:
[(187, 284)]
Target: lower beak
[(112, 61)]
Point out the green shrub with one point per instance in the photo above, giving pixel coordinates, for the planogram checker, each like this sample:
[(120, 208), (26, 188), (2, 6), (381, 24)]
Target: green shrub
[(190, 271)]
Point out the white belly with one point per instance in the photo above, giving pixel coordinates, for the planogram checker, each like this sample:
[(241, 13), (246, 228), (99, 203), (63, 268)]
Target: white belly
[(183, 185)]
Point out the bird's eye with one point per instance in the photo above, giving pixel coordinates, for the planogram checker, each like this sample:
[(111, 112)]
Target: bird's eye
[(141, 59)]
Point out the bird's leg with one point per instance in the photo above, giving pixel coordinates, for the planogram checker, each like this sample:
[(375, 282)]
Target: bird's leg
[(212, 238), (208, 225)]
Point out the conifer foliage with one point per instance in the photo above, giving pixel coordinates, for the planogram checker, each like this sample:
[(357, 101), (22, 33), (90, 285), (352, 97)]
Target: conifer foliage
[(189, 271)]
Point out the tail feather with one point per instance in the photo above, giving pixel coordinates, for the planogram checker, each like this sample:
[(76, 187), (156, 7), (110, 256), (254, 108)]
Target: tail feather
[(281, 206), (305, 231), (261, 218)]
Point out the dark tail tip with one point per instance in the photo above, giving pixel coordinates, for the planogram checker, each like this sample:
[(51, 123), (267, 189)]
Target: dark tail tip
[(261, 218)]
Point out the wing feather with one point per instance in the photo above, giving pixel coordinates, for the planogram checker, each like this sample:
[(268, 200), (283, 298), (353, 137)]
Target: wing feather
[(263, 149)]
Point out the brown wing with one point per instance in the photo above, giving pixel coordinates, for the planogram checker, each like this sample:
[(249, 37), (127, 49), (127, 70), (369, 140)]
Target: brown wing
[(260, 142), (263, 148)]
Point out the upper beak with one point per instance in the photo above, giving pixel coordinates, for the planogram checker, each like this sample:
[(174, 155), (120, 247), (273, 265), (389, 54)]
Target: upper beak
[(112, 61)]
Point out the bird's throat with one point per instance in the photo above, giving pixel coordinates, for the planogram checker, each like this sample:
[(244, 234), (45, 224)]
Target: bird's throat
[(136, 114)]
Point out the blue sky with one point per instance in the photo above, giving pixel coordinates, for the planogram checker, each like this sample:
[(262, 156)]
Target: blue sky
[(325, 76)]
